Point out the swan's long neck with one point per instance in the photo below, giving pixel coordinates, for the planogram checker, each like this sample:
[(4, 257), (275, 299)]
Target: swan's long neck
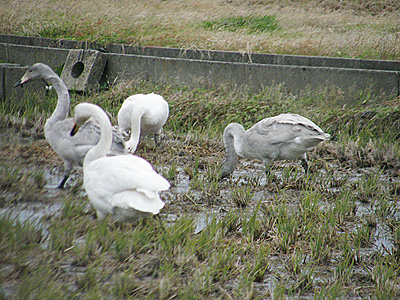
[(104, 144), (233, 140), (63, 103), (136, 121)]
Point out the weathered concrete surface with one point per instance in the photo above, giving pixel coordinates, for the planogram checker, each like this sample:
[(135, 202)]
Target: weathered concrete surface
[(9, 75), (83, 69), (251, 76), (28, 55), (193, 67), (198, 54)]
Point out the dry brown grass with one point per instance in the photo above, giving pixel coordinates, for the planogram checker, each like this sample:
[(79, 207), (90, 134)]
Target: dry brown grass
[(352, 28)]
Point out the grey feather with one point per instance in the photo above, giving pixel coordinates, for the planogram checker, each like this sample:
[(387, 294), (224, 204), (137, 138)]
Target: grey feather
[(57, 128), (286, 136)]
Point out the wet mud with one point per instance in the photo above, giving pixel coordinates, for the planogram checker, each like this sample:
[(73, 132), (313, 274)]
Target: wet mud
[(181, 159)]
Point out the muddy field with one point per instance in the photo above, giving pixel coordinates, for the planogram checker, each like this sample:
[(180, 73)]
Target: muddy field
[(331, 234), (334, 234)]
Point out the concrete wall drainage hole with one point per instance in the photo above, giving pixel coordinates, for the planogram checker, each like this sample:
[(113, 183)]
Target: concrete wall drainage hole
[(77, 69)]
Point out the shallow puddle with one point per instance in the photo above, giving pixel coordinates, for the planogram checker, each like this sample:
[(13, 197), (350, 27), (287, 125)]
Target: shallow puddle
[(182, 198)]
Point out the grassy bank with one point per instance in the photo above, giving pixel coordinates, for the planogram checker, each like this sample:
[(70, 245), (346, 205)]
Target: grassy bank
[(363, 29)]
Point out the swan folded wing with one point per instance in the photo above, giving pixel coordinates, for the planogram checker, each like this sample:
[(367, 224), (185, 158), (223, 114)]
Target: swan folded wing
[(142, 180), (91, 126), (70, 148), (138, 200), (135, 98), (295, 119), (309, 142), (88, 134), (290, 119), (277, 133), (118, 143), (120, 173)]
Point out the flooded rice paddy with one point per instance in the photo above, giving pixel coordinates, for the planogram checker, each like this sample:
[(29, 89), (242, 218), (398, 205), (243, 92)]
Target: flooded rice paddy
[(355, 243)]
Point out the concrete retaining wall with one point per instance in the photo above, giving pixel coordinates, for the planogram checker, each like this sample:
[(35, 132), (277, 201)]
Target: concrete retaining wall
[(251, 76), (28, 55), (226, 56), (193, 67), (9, 75)]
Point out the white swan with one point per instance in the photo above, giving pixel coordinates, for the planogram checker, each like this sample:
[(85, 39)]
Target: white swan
[(125, 186), (142, 114), (57, 128), (286, 136)]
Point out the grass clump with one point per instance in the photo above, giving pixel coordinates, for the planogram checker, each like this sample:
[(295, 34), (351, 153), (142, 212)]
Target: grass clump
[(251, 24), (241, 197), (16, 237), (20, 186)]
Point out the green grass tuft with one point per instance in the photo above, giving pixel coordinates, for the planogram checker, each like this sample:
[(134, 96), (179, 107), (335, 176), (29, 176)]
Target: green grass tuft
[(251, 24)]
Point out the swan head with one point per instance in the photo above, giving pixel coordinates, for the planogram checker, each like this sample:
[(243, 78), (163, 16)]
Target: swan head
[(83, 112), (37, 71)]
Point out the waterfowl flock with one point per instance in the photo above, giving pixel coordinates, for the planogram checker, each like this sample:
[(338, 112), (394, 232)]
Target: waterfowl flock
[(126, 186)]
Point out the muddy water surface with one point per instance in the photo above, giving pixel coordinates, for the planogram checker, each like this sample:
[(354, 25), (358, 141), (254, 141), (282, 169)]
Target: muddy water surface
[(29, 155)]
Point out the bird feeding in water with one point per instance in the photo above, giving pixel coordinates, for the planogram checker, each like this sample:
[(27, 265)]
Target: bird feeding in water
[(286, 136)]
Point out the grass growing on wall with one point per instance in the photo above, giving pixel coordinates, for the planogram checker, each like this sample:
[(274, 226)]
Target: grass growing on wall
[(362, 29)]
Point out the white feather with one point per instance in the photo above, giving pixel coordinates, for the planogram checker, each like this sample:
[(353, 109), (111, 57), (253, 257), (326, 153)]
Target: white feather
[(142, 114), (125, 186)]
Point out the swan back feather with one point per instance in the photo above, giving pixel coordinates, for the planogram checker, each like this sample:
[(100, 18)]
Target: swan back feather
[(125, 186), (142, 114)]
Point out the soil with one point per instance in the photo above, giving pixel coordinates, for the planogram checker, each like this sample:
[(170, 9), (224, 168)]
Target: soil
[(187, 156)]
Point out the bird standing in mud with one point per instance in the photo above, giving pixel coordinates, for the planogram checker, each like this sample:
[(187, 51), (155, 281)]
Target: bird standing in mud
[(286, 136), (142, 114), (57, 128), (124, 186)]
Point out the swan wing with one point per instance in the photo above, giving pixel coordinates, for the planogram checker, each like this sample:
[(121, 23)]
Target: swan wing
[(122, 173), (124, 185), (92, 128), (139, 201), (71, 148), (284, 129), (88, 135), (288, 125), (118, 143), (294, 120)]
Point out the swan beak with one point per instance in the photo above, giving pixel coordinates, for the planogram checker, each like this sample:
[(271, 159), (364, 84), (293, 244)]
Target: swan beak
[(74, 130), (20, 82)]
